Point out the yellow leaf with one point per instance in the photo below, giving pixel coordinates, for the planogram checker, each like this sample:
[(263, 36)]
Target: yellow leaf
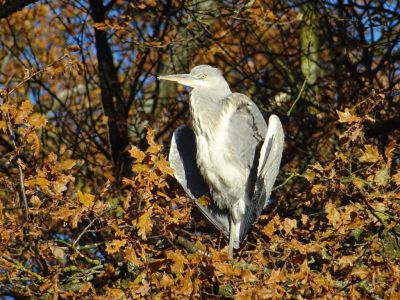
[(73, 48), (163, 165), (178, 261), (289, 225), (37, 120), (318, 188), (389, 151), (247, 276), (35, 201), (100, 26), (114, 246), (347, 260), (270, 229), (226, 269), (333, 215), (23, 112), (309, 175), (41, 179), (140, 168), (33, 139), (396, 177), (347, 117), (145, 225), (370, 154), (86, 199), (204, 200), (382, 176), (130, 255), (166, 281), (137, 154), (153, 146), (66, 164), (58, 252)]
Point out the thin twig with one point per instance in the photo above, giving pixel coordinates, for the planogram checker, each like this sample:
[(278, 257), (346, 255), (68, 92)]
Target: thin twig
[(20, 171), (20, 267), (298, 97), (83, 232), (287, 180)]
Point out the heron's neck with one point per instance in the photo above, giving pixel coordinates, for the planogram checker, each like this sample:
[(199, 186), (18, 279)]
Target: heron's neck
[(205, 104)]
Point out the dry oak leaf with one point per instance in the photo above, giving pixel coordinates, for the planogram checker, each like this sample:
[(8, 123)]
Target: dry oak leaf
[(66, 165), (179, 261), (130, 255), (333, 215), (153, 146), (37, 120), (86, 199), (370, 154), (137, 154), (24, 111), (226, 269), (396, 178), (114, 246), (145, 225), (288, 225), (347, 117)]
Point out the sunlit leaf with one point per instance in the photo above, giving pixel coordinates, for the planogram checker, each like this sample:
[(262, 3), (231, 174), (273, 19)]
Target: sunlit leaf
[(347, 117), (370, 154), (86, 199)]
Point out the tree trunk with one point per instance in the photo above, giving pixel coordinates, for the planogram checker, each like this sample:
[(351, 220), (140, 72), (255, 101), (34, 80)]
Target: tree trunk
[(111, 94)]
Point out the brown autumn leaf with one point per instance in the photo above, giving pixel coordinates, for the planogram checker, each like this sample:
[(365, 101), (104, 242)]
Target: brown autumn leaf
[(333, 215), (130, 255), (114, 246), (370, 154), (347, 261), (33, 139), (25, 109), (270, 229), (347, 117), (248, 276), (86, 198), (178, 261), (382, 176), (288, 225), (66, 165), (163, 165), (73, 48), (145, 225), (37, 120), (140, 168), (187, 287), (389, 151), (153, 148), (226, 269), (396, 178), (57, 251), (166, 281), (137, 154)]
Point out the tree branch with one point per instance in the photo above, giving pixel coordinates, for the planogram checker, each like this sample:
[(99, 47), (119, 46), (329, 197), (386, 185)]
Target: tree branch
[(11, 6)]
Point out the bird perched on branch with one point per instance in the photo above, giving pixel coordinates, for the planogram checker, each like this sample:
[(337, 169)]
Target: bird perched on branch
[(231, 155)]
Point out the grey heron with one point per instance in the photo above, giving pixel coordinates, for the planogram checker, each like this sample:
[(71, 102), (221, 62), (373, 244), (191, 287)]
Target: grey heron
[(231, 155)]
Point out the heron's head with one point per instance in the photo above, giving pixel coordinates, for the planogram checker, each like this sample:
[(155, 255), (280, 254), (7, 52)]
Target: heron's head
[(202, 76)]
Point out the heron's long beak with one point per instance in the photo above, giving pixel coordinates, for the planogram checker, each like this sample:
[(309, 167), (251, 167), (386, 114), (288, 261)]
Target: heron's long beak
[(184, 79)]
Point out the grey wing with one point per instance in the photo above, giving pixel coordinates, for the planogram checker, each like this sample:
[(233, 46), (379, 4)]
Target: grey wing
[(182, 158), (267, 170), (247, 128)]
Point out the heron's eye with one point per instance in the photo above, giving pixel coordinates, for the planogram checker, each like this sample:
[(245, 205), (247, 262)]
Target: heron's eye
[(202, 76)]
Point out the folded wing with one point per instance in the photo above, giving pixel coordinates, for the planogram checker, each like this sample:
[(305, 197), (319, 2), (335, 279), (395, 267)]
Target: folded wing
[(182, 158)]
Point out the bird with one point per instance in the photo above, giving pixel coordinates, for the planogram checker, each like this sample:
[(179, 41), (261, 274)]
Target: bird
[(229, 155)]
